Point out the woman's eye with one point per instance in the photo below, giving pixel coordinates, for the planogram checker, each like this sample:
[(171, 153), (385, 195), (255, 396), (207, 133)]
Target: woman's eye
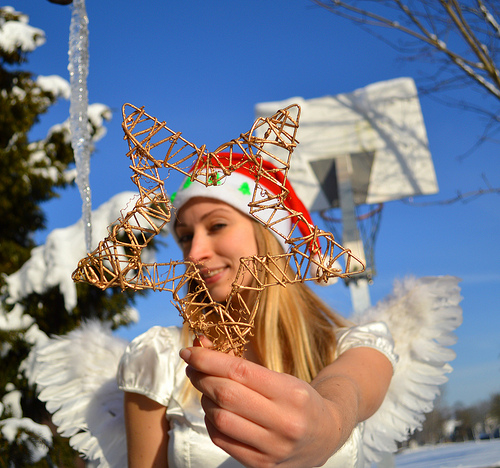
[(185, 238), (217, 226)]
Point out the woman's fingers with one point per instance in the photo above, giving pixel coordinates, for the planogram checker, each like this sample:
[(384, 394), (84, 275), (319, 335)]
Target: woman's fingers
[(233, 425), (246, 454), (234, 397), (244, 440), (255, 393), (268, 383), (286, 416), (201, 341)]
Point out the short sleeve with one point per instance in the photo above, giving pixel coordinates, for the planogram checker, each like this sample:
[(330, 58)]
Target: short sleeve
[(150, 364), (372, 335)]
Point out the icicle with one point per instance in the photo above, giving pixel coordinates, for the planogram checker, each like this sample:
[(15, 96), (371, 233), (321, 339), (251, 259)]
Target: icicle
[(80, 134)]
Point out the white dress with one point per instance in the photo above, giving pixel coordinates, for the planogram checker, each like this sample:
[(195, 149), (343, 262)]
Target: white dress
[(151, 366), (76, 375)]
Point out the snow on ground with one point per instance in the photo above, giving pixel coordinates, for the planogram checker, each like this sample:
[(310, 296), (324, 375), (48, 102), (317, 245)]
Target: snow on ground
[(474, 454)]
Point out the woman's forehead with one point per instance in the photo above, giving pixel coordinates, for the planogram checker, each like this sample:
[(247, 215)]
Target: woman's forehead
[(202, 207)]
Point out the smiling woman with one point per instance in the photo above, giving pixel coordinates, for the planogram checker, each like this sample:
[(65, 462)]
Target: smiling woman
[(296, 384), (242, 413)]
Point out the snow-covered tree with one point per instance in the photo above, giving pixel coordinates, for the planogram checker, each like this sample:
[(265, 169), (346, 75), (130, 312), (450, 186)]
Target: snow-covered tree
[(37, 295)]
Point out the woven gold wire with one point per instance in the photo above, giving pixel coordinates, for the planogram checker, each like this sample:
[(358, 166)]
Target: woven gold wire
[(154, 151)]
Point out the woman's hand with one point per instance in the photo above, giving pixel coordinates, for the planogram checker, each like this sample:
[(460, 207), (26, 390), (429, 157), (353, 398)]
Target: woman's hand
[(263, 418)]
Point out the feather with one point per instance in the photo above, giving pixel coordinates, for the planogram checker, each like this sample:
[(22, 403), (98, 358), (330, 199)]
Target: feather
[(422, 315), (76, 377)]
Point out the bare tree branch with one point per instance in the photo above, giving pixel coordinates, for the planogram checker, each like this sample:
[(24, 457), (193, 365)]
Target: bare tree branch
[(460, 197), (489, 18), (464, 36)]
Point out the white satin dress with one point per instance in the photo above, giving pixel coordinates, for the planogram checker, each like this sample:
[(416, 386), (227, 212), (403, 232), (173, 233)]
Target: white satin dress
[(151, 366)]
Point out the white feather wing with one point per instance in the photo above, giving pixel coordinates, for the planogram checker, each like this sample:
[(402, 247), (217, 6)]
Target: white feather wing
[(76, 374), (422, 315)]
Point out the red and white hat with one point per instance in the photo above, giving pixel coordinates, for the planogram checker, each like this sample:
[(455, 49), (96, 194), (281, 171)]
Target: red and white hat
[(237, 190)]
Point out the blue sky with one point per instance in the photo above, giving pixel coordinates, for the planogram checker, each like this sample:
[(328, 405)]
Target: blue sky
[(202, 67)]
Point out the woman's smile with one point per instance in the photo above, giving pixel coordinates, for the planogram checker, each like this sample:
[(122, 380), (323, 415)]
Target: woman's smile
[(211, 275)]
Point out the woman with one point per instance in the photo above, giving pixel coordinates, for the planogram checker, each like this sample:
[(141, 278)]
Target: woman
[(306, 381)]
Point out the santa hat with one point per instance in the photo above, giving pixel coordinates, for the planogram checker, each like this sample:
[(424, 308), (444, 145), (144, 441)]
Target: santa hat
[(237, 190)]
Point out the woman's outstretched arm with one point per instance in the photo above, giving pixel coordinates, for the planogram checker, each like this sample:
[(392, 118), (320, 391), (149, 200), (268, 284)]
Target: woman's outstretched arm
[(356, 384), (263, 418), (147, 432)]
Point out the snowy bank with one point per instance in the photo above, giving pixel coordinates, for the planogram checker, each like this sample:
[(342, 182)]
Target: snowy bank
[(473, 454)]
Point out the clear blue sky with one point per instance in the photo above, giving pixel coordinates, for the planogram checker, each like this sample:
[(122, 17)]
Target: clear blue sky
[(202, 66)]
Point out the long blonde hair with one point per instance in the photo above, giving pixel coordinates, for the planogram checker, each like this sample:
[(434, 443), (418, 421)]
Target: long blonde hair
[(294, 330)]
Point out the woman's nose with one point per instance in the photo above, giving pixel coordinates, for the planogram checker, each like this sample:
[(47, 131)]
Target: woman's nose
[(200, 248)]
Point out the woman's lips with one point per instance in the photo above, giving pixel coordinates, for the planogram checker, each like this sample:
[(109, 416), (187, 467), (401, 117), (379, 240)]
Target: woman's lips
[(212, 275)]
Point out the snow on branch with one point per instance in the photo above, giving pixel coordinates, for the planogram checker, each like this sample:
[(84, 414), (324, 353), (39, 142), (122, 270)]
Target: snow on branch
[(54, 84), (17, 33), (52, 263), (36, 437)]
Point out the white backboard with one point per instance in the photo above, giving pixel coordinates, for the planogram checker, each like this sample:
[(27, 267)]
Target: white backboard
[(382, 129)]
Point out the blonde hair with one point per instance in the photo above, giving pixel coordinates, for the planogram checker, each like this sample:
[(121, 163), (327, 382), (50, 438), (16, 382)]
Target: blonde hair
[(294, 330)]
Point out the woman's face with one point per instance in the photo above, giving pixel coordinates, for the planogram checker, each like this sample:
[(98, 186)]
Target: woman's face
[(215, 236)]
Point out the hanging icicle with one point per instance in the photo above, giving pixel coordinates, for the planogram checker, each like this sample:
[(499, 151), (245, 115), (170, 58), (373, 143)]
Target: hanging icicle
[(80, 134)]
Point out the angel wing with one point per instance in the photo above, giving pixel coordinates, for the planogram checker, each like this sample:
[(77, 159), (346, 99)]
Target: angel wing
[(76, 374), (422, 315)]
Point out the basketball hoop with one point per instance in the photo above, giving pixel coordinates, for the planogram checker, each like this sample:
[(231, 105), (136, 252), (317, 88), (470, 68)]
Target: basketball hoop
[(368, 219), (358, 150)]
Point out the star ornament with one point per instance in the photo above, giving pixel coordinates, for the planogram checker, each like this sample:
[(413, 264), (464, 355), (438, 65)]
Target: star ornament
[(154, 151)]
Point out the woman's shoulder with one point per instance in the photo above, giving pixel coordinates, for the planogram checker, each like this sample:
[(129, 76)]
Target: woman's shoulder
[(155, 344), (151, 364), (373, 335), (158, 336)]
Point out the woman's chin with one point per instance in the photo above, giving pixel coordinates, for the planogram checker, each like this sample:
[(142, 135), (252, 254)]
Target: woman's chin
[(218, 295)]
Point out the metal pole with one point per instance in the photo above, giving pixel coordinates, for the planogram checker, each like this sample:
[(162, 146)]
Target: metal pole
[(351, 239)]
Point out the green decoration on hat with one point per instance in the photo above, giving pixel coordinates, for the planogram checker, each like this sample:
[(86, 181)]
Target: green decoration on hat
[(245, 189)]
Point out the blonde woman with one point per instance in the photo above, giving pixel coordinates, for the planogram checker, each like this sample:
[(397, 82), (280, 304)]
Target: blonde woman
[(297, 398)]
